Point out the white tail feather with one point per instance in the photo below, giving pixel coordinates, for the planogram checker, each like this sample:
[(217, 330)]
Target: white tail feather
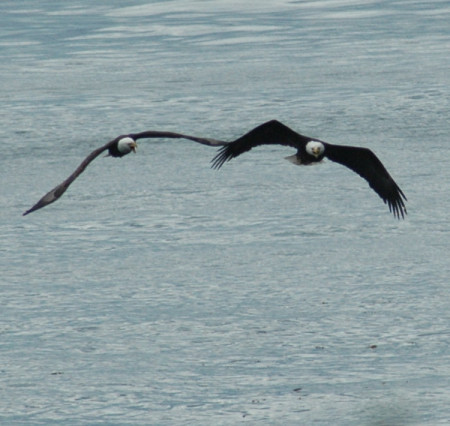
[(294, 159)]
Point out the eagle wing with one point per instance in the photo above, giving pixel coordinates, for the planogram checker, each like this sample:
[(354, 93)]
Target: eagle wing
[(59, 190), (364, 162), (171, 135), (269, 133)]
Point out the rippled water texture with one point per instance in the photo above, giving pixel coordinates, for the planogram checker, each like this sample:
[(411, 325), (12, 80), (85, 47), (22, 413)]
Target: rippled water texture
[(160, 291)]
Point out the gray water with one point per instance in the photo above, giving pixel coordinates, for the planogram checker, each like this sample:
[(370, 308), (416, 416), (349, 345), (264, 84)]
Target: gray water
[(160, 291)]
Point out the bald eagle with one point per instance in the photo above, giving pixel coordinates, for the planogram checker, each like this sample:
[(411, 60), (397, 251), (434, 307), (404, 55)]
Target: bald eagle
[(310, 150), (118, 147)]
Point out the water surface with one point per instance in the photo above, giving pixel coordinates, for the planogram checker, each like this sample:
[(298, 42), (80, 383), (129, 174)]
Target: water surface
[(159, 291)]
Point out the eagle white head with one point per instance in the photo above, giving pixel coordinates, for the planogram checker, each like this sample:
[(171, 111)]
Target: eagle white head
[(315, 148), (126, 145)]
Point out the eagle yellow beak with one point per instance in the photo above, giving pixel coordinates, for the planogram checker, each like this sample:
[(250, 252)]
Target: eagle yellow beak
[(316, 151), (133, 146)]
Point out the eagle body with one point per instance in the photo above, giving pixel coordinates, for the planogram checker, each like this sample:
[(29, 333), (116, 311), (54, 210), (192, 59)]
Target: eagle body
[(123, 146), (311, 153)]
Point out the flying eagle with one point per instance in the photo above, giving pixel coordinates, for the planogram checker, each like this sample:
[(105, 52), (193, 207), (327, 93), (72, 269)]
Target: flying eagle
[(310, 150), (118, 147)]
